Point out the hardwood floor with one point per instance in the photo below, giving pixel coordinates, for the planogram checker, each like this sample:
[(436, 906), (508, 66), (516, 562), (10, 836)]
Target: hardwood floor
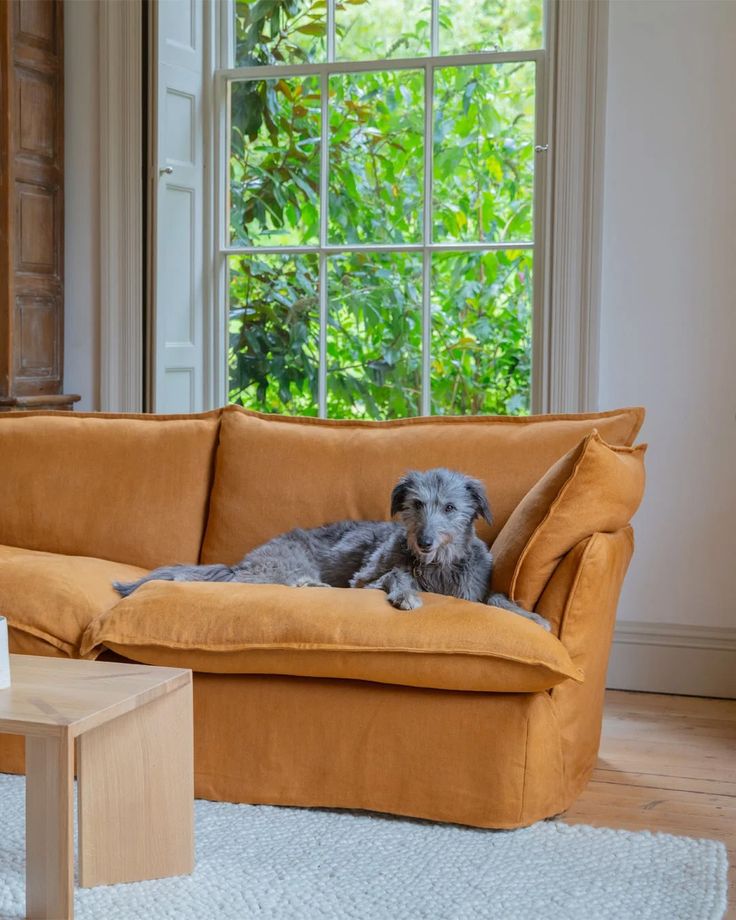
[(666, 763)]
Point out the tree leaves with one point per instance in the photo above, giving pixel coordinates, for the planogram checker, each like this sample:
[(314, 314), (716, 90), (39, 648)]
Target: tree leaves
[(481, 303)]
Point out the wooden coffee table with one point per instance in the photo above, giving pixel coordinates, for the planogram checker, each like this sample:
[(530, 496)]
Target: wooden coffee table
[(131, 728)]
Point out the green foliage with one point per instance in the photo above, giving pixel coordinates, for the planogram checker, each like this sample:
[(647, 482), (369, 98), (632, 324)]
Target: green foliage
[(279, 31), (481, 333), (482, 191), (483, 25), (483, 153), (376, 157), (374, 335)]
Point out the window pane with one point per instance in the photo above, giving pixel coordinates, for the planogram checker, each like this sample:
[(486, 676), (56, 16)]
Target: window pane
[(373, 29), (481, 333), (484, 153), (268, 32), (274, 333), (376, 157), (274, 161), (485, 25), (374, 335)]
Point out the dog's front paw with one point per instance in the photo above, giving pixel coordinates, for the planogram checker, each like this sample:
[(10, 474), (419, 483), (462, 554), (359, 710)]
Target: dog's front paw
[(405, 601), (540, 621)]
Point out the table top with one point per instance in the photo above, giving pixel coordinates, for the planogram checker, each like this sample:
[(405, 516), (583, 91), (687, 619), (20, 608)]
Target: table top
[(52, 695)]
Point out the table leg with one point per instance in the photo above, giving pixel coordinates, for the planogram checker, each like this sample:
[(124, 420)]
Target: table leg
[(50, 826), (136, 794)]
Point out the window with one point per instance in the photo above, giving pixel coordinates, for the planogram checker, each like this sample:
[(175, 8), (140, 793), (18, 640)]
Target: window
[(381, 202)]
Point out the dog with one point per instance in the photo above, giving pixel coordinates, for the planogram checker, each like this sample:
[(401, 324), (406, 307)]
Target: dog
[(432, 546)]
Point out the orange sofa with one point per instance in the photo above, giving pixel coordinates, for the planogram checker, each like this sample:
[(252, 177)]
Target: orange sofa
[(329, 697)]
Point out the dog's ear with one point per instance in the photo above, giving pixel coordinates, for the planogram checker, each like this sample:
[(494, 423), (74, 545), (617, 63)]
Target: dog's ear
[(398, 496), (480, 500)]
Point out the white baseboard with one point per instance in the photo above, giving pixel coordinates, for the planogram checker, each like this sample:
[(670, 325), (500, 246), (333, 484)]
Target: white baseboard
[(667, 658)]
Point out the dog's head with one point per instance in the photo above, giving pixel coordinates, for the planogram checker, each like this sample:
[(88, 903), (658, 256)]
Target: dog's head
[(438, 508)]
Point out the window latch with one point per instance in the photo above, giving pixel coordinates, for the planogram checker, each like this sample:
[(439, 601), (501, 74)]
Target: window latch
[(541, 148)]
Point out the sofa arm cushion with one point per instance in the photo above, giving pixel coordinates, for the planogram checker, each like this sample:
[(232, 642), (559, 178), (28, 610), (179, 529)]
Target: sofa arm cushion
[(594, 488), (331, 632), (53, 597)]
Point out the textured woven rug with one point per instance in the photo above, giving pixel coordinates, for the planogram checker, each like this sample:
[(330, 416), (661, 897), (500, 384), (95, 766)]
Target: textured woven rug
[(316, 864)]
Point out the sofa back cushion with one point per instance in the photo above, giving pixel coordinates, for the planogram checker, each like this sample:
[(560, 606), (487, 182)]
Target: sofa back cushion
[(275, 473), (131, 489), (594, 488)]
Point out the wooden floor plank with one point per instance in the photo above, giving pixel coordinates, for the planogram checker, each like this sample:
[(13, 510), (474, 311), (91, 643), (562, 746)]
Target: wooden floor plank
[(661, 780), (668, 764)]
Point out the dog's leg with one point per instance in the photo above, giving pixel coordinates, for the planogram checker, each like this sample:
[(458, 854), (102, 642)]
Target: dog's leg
[(177, 573), (505, 603), (401, 590)]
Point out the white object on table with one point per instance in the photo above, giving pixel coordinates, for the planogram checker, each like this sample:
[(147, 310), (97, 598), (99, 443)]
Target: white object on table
[(4, 655)]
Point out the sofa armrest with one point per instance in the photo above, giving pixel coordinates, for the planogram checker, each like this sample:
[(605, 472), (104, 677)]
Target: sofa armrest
[(580, 601), (572, 596)]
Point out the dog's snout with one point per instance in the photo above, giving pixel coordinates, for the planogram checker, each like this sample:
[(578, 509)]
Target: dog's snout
[(424, 542)]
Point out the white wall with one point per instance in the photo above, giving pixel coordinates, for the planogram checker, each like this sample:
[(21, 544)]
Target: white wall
[(81, 188), (668, 330)]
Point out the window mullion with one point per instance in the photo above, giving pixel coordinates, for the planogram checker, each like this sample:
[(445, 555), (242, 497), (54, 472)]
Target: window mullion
[(330, 31), (334, 249), (277, 71), (324, 185), (427, 236), (435, 29), (322, 372)]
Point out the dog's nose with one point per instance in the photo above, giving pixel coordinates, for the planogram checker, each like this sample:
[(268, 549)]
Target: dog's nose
[(424, 543)]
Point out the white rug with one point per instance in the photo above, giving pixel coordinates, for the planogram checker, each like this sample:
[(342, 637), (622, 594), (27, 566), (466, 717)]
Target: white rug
[(313, 864)]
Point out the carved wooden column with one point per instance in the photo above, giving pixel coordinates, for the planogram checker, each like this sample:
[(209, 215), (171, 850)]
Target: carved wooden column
[(32, 206)]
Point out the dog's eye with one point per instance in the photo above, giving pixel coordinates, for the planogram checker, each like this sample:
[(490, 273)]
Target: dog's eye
[(449, 509), (418, 505)]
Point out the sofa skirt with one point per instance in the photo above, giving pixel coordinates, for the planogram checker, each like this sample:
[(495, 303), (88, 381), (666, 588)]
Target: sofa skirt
[(483, 759)]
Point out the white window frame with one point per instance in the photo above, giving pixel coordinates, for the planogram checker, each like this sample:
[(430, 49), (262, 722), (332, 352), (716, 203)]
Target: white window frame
[(567, 233), (324, 249), (569, 329)]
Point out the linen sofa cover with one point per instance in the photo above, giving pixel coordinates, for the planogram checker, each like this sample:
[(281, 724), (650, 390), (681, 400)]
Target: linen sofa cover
[(485, 759), (448, 644), (492, 759), (131, 489), (276, 473)]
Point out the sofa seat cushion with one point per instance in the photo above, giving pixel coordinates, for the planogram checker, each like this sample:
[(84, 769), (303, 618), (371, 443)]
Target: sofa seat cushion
[(331, 632), (54, 597)]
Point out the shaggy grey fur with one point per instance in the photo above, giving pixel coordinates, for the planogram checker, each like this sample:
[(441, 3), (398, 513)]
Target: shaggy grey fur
[(431, 547)]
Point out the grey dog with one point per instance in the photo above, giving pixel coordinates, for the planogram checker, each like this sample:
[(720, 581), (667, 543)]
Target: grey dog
[(432, 547)]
